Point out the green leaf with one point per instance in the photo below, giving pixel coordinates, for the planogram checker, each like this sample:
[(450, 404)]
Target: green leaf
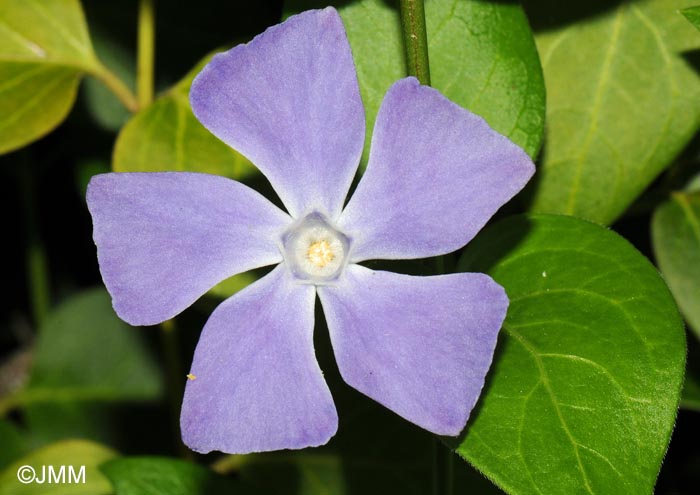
[(231, 285), (84, 352), (44, 49), (167, 136), (164, 476), (622, 102), (675, 231), (586, 380), (71, 453), (693, 15), (482, 56)]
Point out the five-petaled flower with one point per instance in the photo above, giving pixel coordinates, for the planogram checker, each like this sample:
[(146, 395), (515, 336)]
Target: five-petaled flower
[(289, 101)]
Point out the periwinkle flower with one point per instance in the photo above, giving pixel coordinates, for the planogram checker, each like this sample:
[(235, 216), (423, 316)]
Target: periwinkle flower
[(289, 100)]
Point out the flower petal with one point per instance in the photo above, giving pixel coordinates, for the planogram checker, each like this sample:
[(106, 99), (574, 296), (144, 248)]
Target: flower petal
[(289, 101), (257, 385), (164, 239), (436, 174), (420, 346)]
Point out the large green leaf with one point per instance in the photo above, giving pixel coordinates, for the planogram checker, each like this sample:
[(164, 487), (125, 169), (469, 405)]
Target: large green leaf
[(622, 101), (167, 136), (586, 380), (675, 231), (482, 56), (44, 49), (69, 454), (693, 15), (164, 476), (84, 352)]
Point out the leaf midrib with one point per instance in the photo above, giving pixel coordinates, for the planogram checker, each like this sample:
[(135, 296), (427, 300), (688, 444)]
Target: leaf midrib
[(595, 113)]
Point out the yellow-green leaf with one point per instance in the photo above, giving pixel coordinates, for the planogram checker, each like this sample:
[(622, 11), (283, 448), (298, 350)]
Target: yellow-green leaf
[(44, 50), (70, 455), (167, 136)]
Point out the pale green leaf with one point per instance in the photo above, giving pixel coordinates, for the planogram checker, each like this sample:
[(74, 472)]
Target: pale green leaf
[(622, 102), (167, 136), (675, 230), (44, 49), (482, 56), (71, 453), (586, 380)]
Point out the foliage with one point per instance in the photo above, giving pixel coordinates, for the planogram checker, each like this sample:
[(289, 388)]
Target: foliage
[(588, 375)]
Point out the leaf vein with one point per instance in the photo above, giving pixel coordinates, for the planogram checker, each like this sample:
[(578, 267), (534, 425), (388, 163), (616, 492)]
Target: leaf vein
[(548, 387)]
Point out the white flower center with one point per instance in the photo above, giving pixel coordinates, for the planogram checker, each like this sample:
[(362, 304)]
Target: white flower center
[(315, 252)]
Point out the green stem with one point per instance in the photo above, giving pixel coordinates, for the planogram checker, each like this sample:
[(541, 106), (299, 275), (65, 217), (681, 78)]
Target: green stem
[(146, 53), (443, 469), (36, 259), (175, 378), (415, 40), (116, 86)]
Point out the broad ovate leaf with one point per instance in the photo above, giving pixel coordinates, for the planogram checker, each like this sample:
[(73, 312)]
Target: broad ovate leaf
[(586, 380), (675, 231), (71, 455), (622, 102), (482, 56), (167, 136), (44, 50)]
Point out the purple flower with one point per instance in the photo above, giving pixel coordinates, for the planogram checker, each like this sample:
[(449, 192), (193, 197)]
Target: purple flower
[(289, 101)]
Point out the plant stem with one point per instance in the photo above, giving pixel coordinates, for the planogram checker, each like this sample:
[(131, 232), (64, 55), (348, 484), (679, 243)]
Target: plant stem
[(174, 379), (116, 86), (443, 468), (417, 62), (415, 40), (146, 51), (36, 259)]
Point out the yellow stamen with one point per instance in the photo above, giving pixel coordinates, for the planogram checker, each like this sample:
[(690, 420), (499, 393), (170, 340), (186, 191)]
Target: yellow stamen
[(320, 253), (190, 376)]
